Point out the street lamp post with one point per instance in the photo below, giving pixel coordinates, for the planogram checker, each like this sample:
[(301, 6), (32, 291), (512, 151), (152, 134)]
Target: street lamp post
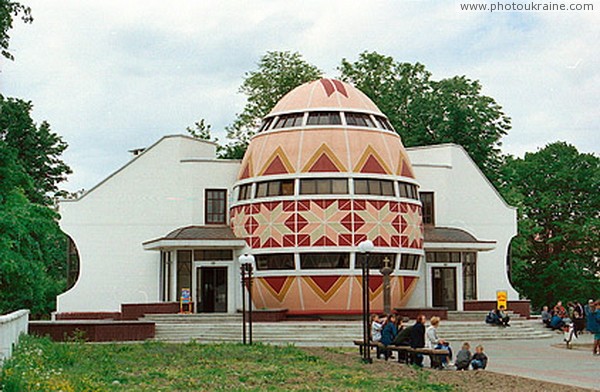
[(246, 261), (366, 247)]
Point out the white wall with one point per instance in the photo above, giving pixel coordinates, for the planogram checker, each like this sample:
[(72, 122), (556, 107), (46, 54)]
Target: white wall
[(12, 326), (465, 199), (155, 193)]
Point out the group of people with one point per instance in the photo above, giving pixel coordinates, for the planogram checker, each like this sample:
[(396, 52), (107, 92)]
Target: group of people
[(577, 316), (560, 317), (390, 330), (498, 316)]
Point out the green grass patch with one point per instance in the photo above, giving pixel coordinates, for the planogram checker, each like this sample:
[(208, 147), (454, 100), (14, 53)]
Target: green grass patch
[(39, 364)]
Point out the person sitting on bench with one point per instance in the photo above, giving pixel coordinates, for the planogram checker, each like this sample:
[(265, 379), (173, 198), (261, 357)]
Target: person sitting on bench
[(389, 333)]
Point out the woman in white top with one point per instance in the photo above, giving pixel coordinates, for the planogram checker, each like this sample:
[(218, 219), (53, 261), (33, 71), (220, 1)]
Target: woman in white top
[(433, 341)]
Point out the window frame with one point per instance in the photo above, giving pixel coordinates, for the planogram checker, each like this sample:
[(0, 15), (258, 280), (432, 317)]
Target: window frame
[(372, 184), (274, 188), (428, 207), (344, 257), (208, 200), (263, 263), (325, 182), (320, 115)]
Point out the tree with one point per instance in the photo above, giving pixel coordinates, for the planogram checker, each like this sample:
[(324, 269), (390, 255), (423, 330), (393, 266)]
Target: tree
[(201, 130), (8, 11), (38, 149), (556, 254), (278, 73), (424, 111), (32, 247)]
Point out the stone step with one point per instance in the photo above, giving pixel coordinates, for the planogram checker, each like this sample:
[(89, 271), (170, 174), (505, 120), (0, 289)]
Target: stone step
[(331, 333), (478, 315)]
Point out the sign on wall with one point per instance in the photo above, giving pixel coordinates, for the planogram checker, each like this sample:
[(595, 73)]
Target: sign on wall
[(501, 299)]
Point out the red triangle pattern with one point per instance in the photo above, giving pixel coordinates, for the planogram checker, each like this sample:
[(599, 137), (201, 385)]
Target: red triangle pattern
[(324, 241), (406, 282), (276, 282), (276, 167), (325, 283), (246, 172), (323, 164), (372, 165), (375, 282), (406, 171)]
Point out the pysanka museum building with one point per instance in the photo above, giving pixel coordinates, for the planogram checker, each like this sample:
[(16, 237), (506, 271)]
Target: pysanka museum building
[(324, 172)]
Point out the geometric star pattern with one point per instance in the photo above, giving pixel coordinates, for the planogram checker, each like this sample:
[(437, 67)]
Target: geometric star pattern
[(328, 223)]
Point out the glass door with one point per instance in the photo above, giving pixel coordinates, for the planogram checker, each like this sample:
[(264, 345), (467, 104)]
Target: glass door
[(444, 287), (211, 294)]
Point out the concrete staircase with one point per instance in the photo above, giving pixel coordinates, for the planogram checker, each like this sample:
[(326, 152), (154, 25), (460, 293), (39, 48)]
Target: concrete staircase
[(213, 328), (479, 315)]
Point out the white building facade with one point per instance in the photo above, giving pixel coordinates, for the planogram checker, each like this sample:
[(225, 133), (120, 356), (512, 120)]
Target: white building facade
[(120, 226)]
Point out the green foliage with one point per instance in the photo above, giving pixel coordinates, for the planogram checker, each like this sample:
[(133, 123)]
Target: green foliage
[(8, 11), (32, 247), (201, 130), (38, 149), (278, 73), (424, 111), (41, 365), (556, 255)]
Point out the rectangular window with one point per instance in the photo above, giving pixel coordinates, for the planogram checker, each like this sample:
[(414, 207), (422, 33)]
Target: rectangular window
[(409, 262), (428, 208), (282, 261), (323, 186), (324, 260), (289, 120), (469, 265), (376, 260), (324, 118), (216, 205), (213, 254), (275, 188), (443, 257), (184, 271), (265, 125), (374, 187), (359, 120), (385, 123), (408, 190), (165, 276), (245, 192)]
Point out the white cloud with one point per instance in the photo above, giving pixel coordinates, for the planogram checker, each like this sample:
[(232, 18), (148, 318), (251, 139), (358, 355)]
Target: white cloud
[(112, 75)]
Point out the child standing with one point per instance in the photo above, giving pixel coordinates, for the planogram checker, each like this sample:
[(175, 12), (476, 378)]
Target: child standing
[(376, 328), (463, 358), (479, 360)]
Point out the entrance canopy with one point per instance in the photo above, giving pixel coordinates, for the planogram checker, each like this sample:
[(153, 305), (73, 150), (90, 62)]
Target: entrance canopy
[(447, 238), (197, 237)]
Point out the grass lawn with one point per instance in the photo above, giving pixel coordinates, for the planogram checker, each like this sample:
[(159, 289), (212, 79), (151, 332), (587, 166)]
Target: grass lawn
[(41, 365)]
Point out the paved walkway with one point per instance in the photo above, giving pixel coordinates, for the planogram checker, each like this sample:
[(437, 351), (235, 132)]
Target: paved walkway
[(538, 359)]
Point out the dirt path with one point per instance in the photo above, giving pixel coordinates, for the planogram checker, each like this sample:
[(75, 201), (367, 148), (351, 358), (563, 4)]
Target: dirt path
[(475, 381)]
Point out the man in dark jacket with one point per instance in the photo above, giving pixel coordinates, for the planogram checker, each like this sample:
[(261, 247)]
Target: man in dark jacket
[(417, 339)]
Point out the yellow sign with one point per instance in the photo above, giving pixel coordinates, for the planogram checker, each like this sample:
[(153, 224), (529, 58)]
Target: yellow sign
[(501, 298)]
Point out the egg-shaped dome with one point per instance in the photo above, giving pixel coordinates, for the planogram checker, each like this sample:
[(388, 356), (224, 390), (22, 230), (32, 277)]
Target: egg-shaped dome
[(324, 172), (325, 93)]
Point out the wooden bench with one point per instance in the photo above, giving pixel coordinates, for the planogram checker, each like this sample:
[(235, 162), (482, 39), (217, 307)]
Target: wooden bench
[(409, 352)]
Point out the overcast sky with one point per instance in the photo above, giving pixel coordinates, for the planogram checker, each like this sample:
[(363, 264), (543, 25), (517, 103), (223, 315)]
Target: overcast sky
[(110, 76)]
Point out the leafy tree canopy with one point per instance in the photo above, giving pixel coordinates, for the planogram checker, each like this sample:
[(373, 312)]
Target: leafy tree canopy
[(38, 149), (277, 74), (424, 111), (556, 255), (32, 247), (8, 11)]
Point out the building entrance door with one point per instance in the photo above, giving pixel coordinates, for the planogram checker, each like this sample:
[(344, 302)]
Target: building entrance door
[(444, 287), (211, 295)]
